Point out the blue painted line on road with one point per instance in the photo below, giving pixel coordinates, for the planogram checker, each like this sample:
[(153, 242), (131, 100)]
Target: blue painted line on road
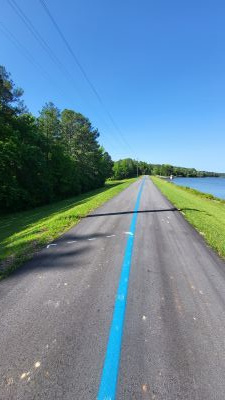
[(107, 389)]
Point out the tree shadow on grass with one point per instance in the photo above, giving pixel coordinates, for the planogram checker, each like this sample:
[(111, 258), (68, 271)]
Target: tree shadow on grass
[(14, 223), (194, 209)]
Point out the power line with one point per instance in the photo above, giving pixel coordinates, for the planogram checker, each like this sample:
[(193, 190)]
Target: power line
[(77, 62), (22, 49), (42, 42), (27, 54), (39, 38)]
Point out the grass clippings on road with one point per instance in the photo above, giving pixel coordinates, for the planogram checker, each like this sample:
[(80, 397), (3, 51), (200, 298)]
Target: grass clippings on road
[(23, 234), (204, 211)]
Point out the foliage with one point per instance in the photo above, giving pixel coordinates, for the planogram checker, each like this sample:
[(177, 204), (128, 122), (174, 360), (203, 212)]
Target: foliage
[(205, 212), (124, 168), (23, 233), (129, 168), (47, 158)]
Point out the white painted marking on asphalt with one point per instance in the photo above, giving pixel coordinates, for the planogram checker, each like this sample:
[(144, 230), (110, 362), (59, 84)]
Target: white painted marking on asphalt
[(52, 244), (72, 241), (129, 233), (109, 236), (92, 239)]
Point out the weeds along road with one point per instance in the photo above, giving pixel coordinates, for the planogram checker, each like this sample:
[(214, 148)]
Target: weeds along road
[(66, 322)]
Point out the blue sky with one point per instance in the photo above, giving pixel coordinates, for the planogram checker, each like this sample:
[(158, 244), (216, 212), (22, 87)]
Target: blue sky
[(159, 67)]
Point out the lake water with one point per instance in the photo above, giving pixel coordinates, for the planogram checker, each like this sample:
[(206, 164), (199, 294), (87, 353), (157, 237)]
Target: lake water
[(215, 186)]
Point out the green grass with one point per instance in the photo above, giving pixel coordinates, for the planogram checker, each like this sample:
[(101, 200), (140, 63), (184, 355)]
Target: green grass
[(204, 211), (23, 234)]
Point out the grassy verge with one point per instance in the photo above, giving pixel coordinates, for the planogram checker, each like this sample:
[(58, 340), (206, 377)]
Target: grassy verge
[(22, 234), (204, 211)]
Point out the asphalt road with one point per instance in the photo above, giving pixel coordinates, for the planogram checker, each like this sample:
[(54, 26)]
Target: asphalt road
[(56, 311)]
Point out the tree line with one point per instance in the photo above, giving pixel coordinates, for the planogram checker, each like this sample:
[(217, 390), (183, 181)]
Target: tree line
[(128, 168), (45, 158), (57, 155)]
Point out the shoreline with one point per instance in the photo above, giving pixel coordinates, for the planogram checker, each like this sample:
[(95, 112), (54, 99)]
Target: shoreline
[(202, 210)]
